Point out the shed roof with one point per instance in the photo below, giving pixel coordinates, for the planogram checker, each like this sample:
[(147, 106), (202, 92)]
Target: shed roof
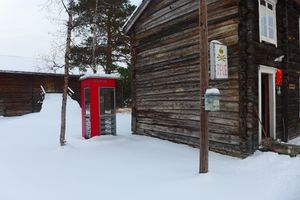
[(35, 73), (29, 65), (135, 16)]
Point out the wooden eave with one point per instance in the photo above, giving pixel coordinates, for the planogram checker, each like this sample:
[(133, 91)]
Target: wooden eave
[(135, 16)]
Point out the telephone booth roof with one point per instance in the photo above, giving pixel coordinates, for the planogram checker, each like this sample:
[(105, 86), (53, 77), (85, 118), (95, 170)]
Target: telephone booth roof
[(99, 76)]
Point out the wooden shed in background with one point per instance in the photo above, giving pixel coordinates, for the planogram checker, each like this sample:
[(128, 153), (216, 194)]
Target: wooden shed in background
[(165, 72), (21, 92)]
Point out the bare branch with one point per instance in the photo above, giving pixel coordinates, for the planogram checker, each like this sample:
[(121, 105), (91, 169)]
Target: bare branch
[(57, 65), (64, 5)]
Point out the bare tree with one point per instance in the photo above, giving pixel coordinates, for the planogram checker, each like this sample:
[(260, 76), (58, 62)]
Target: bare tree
[(68, 9)]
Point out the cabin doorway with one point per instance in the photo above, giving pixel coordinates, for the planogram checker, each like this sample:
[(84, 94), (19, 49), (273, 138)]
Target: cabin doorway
[(267, 103)]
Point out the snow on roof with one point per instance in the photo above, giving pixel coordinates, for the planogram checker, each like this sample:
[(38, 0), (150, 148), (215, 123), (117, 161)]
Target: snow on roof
[(212, 91), (109, 76), (25, 65), (135, 15)]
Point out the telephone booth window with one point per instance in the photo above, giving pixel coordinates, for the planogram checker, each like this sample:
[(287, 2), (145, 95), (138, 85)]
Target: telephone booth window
[(107, 111), (107, 102), (87, 112)]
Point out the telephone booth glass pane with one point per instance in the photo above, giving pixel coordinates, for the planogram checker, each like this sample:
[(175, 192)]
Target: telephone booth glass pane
[(87, 112), (107, 111), (107, 101)]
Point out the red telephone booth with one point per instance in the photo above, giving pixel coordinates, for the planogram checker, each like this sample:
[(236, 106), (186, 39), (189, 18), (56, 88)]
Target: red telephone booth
[(98, 105)]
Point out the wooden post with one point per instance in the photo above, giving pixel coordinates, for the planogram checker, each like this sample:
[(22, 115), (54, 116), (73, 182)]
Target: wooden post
[(203, 85)]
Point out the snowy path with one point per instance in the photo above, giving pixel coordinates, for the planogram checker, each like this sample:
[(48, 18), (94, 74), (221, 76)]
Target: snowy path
[(34, 167)]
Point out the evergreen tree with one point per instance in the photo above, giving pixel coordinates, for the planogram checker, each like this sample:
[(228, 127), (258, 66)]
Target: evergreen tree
[(101, 42)]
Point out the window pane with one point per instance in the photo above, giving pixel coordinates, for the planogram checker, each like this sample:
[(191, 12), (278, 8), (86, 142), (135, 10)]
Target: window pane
[(263, 2), (271, 27), (271, 21), (270, 6), (87, 112), (87, 101), (107, 101), (263, 27), (271, 33)]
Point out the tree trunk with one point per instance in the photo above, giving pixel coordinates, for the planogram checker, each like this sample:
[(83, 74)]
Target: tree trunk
[(94, 65), (66, 81), (109, 61)]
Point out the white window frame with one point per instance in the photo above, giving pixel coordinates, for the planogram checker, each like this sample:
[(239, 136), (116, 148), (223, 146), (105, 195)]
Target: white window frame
[(262, 10)]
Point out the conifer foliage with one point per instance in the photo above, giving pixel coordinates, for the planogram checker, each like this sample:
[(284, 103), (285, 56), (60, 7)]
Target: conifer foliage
[(100, 43)]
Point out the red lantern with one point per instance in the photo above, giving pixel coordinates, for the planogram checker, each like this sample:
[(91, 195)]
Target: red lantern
[(278, 80)]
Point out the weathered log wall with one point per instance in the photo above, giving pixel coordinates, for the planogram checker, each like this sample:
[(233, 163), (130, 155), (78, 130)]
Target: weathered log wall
[(293, 69), (20, 92), (254, 53), (166, 74)]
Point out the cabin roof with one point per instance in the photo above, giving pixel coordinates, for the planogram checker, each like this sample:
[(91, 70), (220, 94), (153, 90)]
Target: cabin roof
[(139, 11), (30, 65), (135, 16)]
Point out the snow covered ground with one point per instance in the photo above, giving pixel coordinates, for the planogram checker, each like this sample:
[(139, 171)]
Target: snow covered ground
[(295, 141), (34, 167)]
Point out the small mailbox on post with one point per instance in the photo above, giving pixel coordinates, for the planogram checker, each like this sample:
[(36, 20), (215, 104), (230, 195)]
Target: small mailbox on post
[(212, 100), (98, 105)]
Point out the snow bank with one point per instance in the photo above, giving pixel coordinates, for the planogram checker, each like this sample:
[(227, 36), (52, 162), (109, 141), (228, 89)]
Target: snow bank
[(295, 141), (34, 167)]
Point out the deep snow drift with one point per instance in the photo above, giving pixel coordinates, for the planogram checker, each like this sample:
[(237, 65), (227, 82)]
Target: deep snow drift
[(34, 167)]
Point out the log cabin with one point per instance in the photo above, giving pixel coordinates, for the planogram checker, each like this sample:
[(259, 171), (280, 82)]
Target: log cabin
[(22, 92), (262, 37)]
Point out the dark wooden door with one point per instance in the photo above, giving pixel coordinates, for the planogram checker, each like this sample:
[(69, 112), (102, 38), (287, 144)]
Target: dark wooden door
[(265, 104)]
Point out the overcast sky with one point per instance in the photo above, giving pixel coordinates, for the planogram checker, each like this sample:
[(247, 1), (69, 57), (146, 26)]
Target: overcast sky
[(27, 28)]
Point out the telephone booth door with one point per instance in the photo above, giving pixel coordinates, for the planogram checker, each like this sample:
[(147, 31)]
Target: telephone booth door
[(107, 111)]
